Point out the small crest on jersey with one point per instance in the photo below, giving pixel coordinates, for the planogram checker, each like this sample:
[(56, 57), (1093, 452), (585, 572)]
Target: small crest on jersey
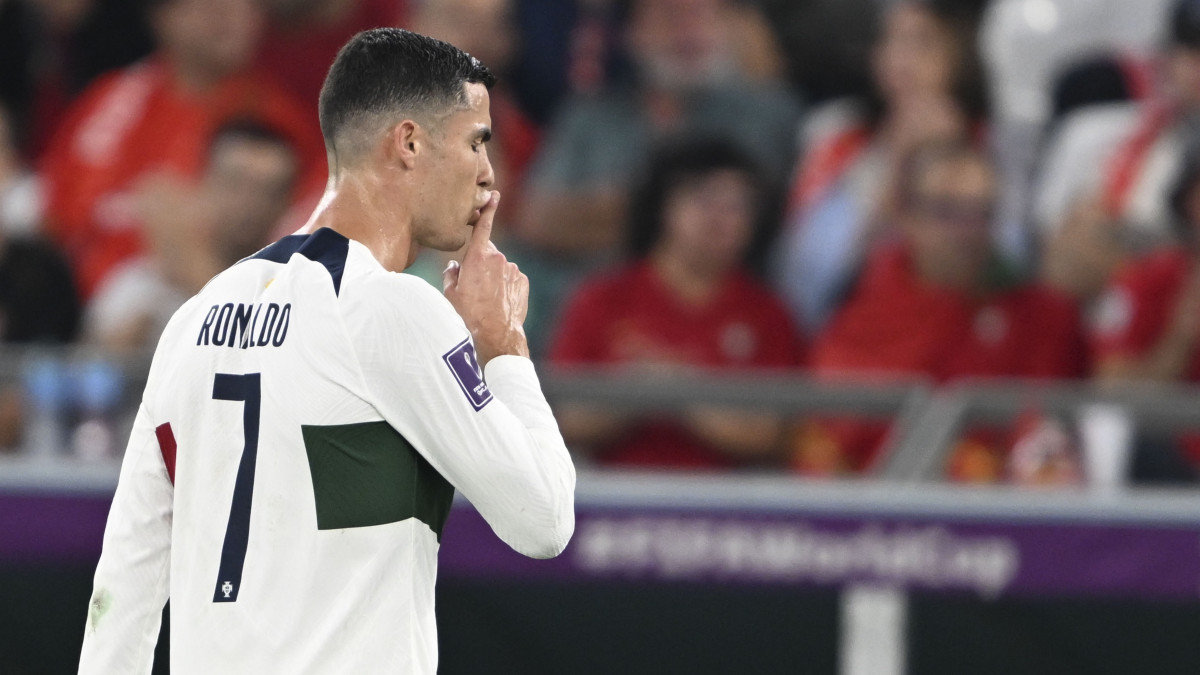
[(468, 373), (227, 588)]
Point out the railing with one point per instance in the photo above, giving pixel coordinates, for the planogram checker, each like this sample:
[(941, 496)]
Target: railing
[(926, 419)]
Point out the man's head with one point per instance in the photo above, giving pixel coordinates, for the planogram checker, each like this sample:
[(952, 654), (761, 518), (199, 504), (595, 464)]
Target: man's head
[(248, 181), (414, 112), (1182, 57), (209, 38), (681, 44), (704, 204), (484, 28), (946, 199)]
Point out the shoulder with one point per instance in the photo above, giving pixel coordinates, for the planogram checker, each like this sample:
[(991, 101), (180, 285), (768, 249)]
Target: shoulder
[(1153, 272), (760, 103), (830, 121), (1043, 303), (1098, 123), (397, 301), (101, 115), (613, 284), (887, 266)]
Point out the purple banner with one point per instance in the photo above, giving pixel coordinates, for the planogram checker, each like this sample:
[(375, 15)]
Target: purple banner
[(981, 557), (45, 527), (988, 559)]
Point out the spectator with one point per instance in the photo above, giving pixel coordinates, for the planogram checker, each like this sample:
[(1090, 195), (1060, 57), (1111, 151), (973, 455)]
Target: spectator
[(38, 304), (156, 117), (194, 232), (52, 49), (1127, 154), (685, 83), (685, 303), (1146, 328), (303, 36), (939, 304), (927, 83)]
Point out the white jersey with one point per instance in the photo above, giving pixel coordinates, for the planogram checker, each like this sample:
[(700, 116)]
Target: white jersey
[(306, 421)]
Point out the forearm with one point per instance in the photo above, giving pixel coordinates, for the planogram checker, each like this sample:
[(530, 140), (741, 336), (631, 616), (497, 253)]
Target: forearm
[(584, 425), (574, 223), (132, 579), (541, 520), (1167, 361), (741, 435)]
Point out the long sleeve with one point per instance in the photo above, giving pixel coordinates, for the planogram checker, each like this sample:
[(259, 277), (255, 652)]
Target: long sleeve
[(494, 440), (132, 580)]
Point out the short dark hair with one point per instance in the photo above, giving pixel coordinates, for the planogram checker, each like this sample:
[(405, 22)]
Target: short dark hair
[(1184, 28), (681, 160), (395, 71)]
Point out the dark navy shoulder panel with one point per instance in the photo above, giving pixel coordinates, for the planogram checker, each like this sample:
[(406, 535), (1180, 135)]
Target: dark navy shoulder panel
[(324, 246)]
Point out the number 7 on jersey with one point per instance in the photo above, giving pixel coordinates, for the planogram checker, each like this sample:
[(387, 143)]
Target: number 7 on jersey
[(246, 388)]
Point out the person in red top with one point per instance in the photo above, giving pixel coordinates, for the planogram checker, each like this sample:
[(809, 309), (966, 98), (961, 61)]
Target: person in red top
[(940, 304), (157, 118), (1146, 326), (927, 82), (302, 37), (686, 302)]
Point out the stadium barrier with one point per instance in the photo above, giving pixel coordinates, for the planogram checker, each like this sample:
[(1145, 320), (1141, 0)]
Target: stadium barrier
[(747, 572)]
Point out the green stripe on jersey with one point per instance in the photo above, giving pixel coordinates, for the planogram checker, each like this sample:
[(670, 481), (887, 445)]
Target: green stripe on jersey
[(368, 474)]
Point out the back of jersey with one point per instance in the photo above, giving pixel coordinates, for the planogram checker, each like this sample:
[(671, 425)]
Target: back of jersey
[(282, 557)]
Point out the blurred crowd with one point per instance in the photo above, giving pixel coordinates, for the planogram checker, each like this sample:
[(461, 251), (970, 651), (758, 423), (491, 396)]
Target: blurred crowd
[(867, 189)]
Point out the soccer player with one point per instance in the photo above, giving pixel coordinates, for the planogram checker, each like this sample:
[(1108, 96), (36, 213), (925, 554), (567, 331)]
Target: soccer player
[(309, 414)]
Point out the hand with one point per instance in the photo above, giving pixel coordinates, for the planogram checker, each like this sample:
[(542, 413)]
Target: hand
[(1185, 321), (489, 293)]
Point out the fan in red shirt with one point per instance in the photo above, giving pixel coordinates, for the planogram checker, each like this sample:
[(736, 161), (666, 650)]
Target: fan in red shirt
[(302, 37), (1147, 325), (939, 303), (156, 119), (687, 303)]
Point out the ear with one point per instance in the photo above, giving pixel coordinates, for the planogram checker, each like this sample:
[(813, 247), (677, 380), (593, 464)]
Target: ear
[(406, 141)]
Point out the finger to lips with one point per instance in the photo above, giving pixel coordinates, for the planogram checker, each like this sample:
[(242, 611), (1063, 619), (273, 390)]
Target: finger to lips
[(482, 233)]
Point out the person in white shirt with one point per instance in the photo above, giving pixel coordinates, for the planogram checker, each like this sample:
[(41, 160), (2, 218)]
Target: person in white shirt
[(1126, 155), (309, 414)]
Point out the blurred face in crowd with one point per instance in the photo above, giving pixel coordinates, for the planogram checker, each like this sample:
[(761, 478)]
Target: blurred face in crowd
[(708, 221), (63, 15), (917, 54), (1183, 75), (248, 184), (946, 219), (482, 28), (212, 38), (681, 44)]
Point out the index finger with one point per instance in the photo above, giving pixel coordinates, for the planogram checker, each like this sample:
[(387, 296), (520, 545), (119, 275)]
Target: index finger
[(482, 233)]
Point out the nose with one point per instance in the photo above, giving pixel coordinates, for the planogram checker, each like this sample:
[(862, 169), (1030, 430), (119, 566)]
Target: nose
[(487, 177)]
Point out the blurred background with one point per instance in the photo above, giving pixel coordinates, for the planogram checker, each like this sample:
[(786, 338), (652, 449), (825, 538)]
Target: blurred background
[(873, 325)]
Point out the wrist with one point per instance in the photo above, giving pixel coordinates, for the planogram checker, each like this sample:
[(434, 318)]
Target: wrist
[(512, 344)]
